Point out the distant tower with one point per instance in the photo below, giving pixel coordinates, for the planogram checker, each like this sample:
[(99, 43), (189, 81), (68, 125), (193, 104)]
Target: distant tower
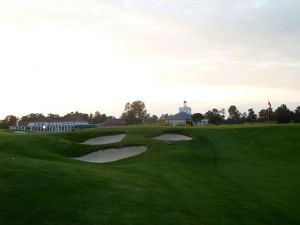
[(185, 109)]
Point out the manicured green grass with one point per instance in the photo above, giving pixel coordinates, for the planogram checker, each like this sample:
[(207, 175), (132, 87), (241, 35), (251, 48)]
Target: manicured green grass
[(225, 175)]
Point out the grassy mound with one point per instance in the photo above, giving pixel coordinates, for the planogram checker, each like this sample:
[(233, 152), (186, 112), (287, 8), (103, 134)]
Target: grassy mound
[(225, 175)]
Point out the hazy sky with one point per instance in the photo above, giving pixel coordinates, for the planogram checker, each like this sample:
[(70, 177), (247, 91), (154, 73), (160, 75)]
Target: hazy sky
[(65, 55)]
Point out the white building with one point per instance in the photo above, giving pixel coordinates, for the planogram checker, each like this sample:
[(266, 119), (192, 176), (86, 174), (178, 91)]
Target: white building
[(204, 122), (185, 109), (183, 117), (52, 125), (20, 125)]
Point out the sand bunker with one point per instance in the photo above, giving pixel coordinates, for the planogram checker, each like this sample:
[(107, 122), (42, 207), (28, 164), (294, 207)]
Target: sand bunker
[(20, 132), (173, 137), (112, 154), (102, 140)]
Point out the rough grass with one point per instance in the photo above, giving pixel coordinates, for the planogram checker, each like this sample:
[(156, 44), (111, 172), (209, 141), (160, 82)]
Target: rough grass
[(225, 175)]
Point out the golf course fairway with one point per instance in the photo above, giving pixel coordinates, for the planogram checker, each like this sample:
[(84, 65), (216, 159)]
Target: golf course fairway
[(243, 175)]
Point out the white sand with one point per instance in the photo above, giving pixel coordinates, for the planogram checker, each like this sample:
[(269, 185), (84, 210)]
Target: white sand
[(102, 140), (20, 132), (112, 154), (173, 137)]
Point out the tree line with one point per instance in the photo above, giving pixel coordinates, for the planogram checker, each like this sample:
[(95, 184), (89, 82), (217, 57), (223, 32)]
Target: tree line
[(136, 113), (94, 118), (280, 115)]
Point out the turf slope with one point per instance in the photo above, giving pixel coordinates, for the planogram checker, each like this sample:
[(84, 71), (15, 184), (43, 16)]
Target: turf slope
[(224, 175)]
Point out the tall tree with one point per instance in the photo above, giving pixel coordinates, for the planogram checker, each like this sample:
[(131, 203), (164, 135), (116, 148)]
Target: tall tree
[(152, 119), (8, 121), (243, 117), (283, 114), (252, 117), (234, 114), (163, 118), (53, 116), (83, 116), (297, 115), (266, 114), (197, 117), (215, 116), (135, 112), (32, 117), (98, 117)]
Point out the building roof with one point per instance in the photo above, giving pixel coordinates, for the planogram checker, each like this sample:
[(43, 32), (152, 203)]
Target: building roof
[(64, 119), (112, 122), (23, 123), (180, 116), (73, 118)]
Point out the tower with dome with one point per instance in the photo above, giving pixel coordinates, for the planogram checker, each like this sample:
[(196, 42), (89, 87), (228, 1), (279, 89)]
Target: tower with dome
[(183, 117), (185, 108)]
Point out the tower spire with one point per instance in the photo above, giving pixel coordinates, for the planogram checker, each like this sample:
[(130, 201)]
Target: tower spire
[(185, 108)]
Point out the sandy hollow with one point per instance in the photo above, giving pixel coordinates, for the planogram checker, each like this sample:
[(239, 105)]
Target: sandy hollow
[(112, 154), (173, 137), (20, 132), (102, 140)]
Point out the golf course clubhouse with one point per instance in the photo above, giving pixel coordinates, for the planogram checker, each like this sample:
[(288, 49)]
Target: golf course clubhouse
[(183, 117), (65, 124)]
